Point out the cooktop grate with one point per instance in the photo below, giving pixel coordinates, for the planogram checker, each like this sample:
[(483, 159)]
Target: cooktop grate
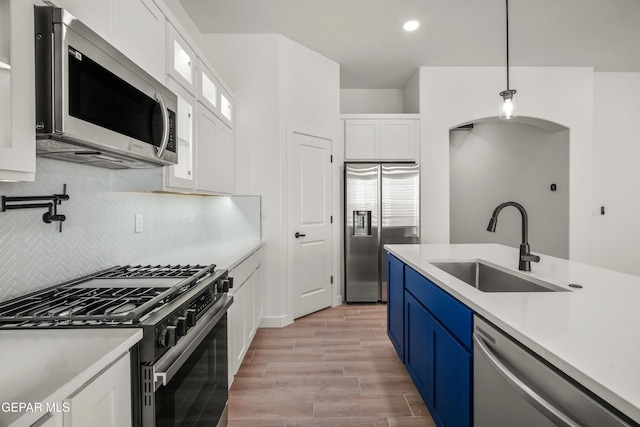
[(156, 271), (120, 295)]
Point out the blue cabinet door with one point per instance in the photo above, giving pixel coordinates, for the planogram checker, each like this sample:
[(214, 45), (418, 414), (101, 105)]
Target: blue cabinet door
[(439, 365), (395, 303), (452, 363), (419, 347)]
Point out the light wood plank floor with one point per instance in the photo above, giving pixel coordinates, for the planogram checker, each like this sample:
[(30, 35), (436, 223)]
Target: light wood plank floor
[(333, 368)]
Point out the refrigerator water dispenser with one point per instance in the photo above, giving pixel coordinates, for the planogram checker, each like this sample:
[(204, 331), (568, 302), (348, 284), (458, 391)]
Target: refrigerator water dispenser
[(362, 223)]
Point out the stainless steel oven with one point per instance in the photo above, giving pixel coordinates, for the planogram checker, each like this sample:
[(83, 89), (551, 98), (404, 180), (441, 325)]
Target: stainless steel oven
[(188, 385), (179, 368)]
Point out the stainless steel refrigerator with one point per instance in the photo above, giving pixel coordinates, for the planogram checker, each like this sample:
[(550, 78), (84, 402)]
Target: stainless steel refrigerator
[(382, 206)]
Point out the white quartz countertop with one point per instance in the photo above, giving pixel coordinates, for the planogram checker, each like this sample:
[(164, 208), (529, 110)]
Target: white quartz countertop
[(224, 254), (592, 334), (46, 366)]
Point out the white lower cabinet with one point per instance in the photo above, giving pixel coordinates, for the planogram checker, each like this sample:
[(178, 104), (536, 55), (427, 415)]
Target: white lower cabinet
[(105, 401), (245, 314), (49, 420)]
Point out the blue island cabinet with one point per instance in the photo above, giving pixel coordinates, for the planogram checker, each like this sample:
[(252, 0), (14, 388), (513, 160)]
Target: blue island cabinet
[(437, 347), (395, 303)]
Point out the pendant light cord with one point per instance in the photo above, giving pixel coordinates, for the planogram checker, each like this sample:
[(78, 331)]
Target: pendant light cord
[(507, 9)]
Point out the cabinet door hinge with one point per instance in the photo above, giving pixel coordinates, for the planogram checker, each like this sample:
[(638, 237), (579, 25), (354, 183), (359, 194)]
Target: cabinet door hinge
[(332, 280), (331, 219), (331, 158)]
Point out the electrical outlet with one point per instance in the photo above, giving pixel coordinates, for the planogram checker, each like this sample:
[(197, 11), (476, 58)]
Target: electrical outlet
[(191, 217), (139, 223)]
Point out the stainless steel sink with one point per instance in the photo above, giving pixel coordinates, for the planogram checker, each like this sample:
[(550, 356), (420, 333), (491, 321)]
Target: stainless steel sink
[(489, 279)]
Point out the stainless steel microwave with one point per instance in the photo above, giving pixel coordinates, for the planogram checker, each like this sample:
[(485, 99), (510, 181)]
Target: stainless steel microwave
[(93, 104)]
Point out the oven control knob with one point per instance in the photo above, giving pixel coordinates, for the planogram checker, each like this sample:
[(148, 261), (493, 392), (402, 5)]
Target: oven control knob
[(191, 317), (181, 326), (167, 337)]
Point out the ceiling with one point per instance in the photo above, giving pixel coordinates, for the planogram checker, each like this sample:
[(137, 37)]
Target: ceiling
[(366, 37)]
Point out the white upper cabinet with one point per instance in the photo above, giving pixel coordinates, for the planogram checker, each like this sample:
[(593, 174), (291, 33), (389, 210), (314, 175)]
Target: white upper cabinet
[(215, 153), (209, 93), (212, 94), (182, 175), (137, 28), (226, 108), (95, 14), (362, 139), (181, 60), (381, 139), (17, 115), (225, 159), (398, 139), (134, 27)]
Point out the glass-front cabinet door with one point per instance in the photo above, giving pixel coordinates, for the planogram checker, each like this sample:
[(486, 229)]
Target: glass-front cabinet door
[(182, 175), (208, 94), (17, 91), (181, 60), (5, 73)]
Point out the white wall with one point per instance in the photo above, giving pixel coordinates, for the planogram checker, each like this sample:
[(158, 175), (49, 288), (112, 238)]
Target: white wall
[(276, 83), (502, 161), (370, 101), (450, 96), (411, 94), (616, 171)]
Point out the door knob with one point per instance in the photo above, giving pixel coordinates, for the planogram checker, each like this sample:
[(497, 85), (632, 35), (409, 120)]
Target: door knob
[(298, 235)]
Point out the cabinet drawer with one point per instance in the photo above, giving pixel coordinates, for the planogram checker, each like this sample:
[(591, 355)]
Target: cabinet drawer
[(242, 271), (451, 313)]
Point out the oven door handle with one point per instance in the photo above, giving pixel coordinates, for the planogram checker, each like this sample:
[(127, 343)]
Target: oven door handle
[(169, 364)]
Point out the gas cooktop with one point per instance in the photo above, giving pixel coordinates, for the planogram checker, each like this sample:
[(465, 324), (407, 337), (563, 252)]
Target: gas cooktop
[(119, 296)]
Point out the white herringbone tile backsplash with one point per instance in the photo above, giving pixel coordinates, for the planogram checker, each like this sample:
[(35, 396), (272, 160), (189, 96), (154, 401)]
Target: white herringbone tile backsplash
[(99, 230)]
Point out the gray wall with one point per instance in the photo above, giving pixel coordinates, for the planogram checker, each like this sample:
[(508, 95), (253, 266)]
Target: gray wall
[(505, 161), (99, 230)]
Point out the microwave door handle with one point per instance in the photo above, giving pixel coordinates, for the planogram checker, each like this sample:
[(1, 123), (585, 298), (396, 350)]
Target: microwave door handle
[(551, 412), (165, 126)]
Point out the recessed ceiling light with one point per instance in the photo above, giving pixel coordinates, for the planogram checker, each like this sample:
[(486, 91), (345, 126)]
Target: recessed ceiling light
[(411, 25)]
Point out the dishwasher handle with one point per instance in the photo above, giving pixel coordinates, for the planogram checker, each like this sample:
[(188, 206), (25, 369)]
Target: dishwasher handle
[(545, 407)]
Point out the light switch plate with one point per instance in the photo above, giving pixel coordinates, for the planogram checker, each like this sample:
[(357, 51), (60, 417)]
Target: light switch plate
[(139, 223)]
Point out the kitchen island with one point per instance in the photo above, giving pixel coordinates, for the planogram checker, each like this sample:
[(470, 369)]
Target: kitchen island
[(589, 333)]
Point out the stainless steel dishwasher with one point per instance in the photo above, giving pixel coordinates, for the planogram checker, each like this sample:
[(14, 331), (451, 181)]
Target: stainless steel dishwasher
[(514, 387)]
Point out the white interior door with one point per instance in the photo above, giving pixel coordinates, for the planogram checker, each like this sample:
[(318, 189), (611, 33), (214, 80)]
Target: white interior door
[(309, 212)]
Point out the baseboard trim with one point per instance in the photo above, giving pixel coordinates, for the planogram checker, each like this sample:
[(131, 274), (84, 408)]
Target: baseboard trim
[(275, 321)]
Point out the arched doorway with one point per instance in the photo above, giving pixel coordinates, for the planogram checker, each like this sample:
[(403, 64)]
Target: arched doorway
[(525, 160)]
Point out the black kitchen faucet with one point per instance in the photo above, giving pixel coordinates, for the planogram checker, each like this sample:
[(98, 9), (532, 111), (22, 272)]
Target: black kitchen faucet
[(526, 257)]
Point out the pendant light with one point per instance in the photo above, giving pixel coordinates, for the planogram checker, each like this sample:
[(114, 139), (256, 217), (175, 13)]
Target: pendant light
[(508, 102)]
